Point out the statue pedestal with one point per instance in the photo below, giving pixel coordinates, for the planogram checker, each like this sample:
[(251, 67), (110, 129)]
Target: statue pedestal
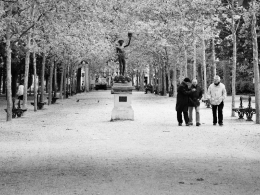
[(122, 101)]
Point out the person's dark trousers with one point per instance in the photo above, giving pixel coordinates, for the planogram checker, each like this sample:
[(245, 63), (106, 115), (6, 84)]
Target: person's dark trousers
[(219, 109), (185, 115)]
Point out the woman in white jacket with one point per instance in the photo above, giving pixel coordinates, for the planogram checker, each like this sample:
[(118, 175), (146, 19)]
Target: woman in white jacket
[(217, 93)]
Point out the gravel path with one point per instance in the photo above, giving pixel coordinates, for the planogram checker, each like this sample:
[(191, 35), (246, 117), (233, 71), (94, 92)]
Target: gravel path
[(71, 147)]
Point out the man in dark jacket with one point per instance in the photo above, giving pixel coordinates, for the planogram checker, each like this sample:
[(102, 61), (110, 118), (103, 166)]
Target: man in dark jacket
[(183, 93), (194, 102)]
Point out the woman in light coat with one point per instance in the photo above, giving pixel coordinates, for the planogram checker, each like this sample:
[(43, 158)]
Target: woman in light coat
[(217, 94)]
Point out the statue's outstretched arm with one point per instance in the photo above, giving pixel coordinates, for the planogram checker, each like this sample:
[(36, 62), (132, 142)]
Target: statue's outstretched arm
[(128, 42)]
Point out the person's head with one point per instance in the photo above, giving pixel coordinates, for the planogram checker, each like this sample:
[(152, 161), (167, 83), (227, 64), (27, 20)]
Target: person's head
[(187, 80), (194, 82), (216, 80), (121, 42)]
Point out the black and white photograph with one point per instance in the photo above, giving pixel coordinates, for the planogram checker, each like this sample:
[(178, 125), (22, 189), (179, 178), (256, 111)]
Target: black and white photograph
[(137, 97)]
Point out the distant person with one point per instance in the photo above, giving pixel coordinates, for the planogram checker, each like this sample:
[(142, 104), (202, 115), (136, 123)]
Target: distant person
[(194, 102), (82, 87), (183, 93), (19, 93), (217, 93)]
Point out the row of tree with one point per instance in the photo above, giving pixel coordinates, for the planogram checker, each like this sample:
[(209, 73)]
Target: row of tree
[(172, 39)]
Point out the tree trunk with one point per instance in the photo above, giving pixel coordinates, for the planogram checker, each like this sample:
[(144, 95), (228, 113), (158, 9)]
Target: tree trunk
[(70, 80), (55, 79), (14, 77), (47, 83), (73, 81), (142, 80), (26, 73), (185, 60), (213, 57), (256, 67), (181, 73), (42, 76), (50, 82), (150, 74), (87, 77), (168, 70), (1, 73), (174, 77), (226, 75), (169, 79), (65, 80), (155, 79), (8, 74), (35, 82), (160, 78), (61, 81), (200, 73), (79, 80), (204, 65), (234, 39), (27, 63), (164, 81), (137, 76), (4, 81), (132, 75), (194, 58)]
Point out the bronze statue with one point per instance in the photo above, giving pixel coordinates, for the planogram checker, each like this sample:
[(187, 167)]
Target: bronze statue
[(121, 54)]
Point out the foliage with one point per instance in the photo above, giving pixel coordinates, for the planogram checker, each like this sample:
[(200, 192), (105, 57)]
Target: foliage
[(72, 31), (245, 87), (122, 79)]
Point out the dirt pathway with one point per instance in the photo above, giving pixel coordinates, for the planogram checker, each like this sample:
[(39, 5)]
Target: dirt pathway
[(72, 148)]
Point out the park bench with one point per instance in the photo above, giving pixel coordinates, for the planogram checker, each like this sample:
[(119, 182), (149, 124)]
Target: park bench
[(207, 102), (171, 91), (249, 111), (39, 103), (65, 94), (73, 93), (53, 100), (148, 88), (16, 111)]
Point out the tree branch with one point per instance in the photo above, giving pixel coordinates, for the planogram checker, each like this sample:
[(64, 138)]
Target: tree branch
[(31, 26)]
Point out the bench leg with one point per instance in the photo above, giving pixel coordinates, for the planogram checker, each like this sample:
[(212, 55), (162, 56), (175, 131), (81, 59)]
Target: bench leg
[(240, 114), (19, 113), (13, 114), (249, 115), (40, 106), (207, 103)]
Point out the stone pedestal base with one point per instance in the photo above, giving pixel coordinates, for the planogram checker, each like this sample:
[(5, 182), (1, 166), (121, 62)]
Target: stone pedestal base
[(122, 102)]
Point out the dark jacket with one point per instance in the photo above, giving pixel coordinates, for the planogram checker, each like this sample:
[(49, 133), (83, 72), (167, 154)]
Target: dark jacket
[(195, 96), (183, 93)]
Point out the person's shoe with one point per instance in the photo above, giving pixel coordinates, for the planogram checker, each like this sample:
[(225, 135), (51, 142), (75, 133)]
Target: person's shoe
[(180, 124), (220, 124), (197, 124), (190, 123), (187, 124)]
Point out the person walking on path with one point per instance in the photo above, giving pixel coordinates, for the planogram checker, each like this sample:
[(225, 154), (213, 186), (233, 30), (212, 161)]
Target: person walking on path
[(217, 93), (194, 102), (20, 93), (183, 93)]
